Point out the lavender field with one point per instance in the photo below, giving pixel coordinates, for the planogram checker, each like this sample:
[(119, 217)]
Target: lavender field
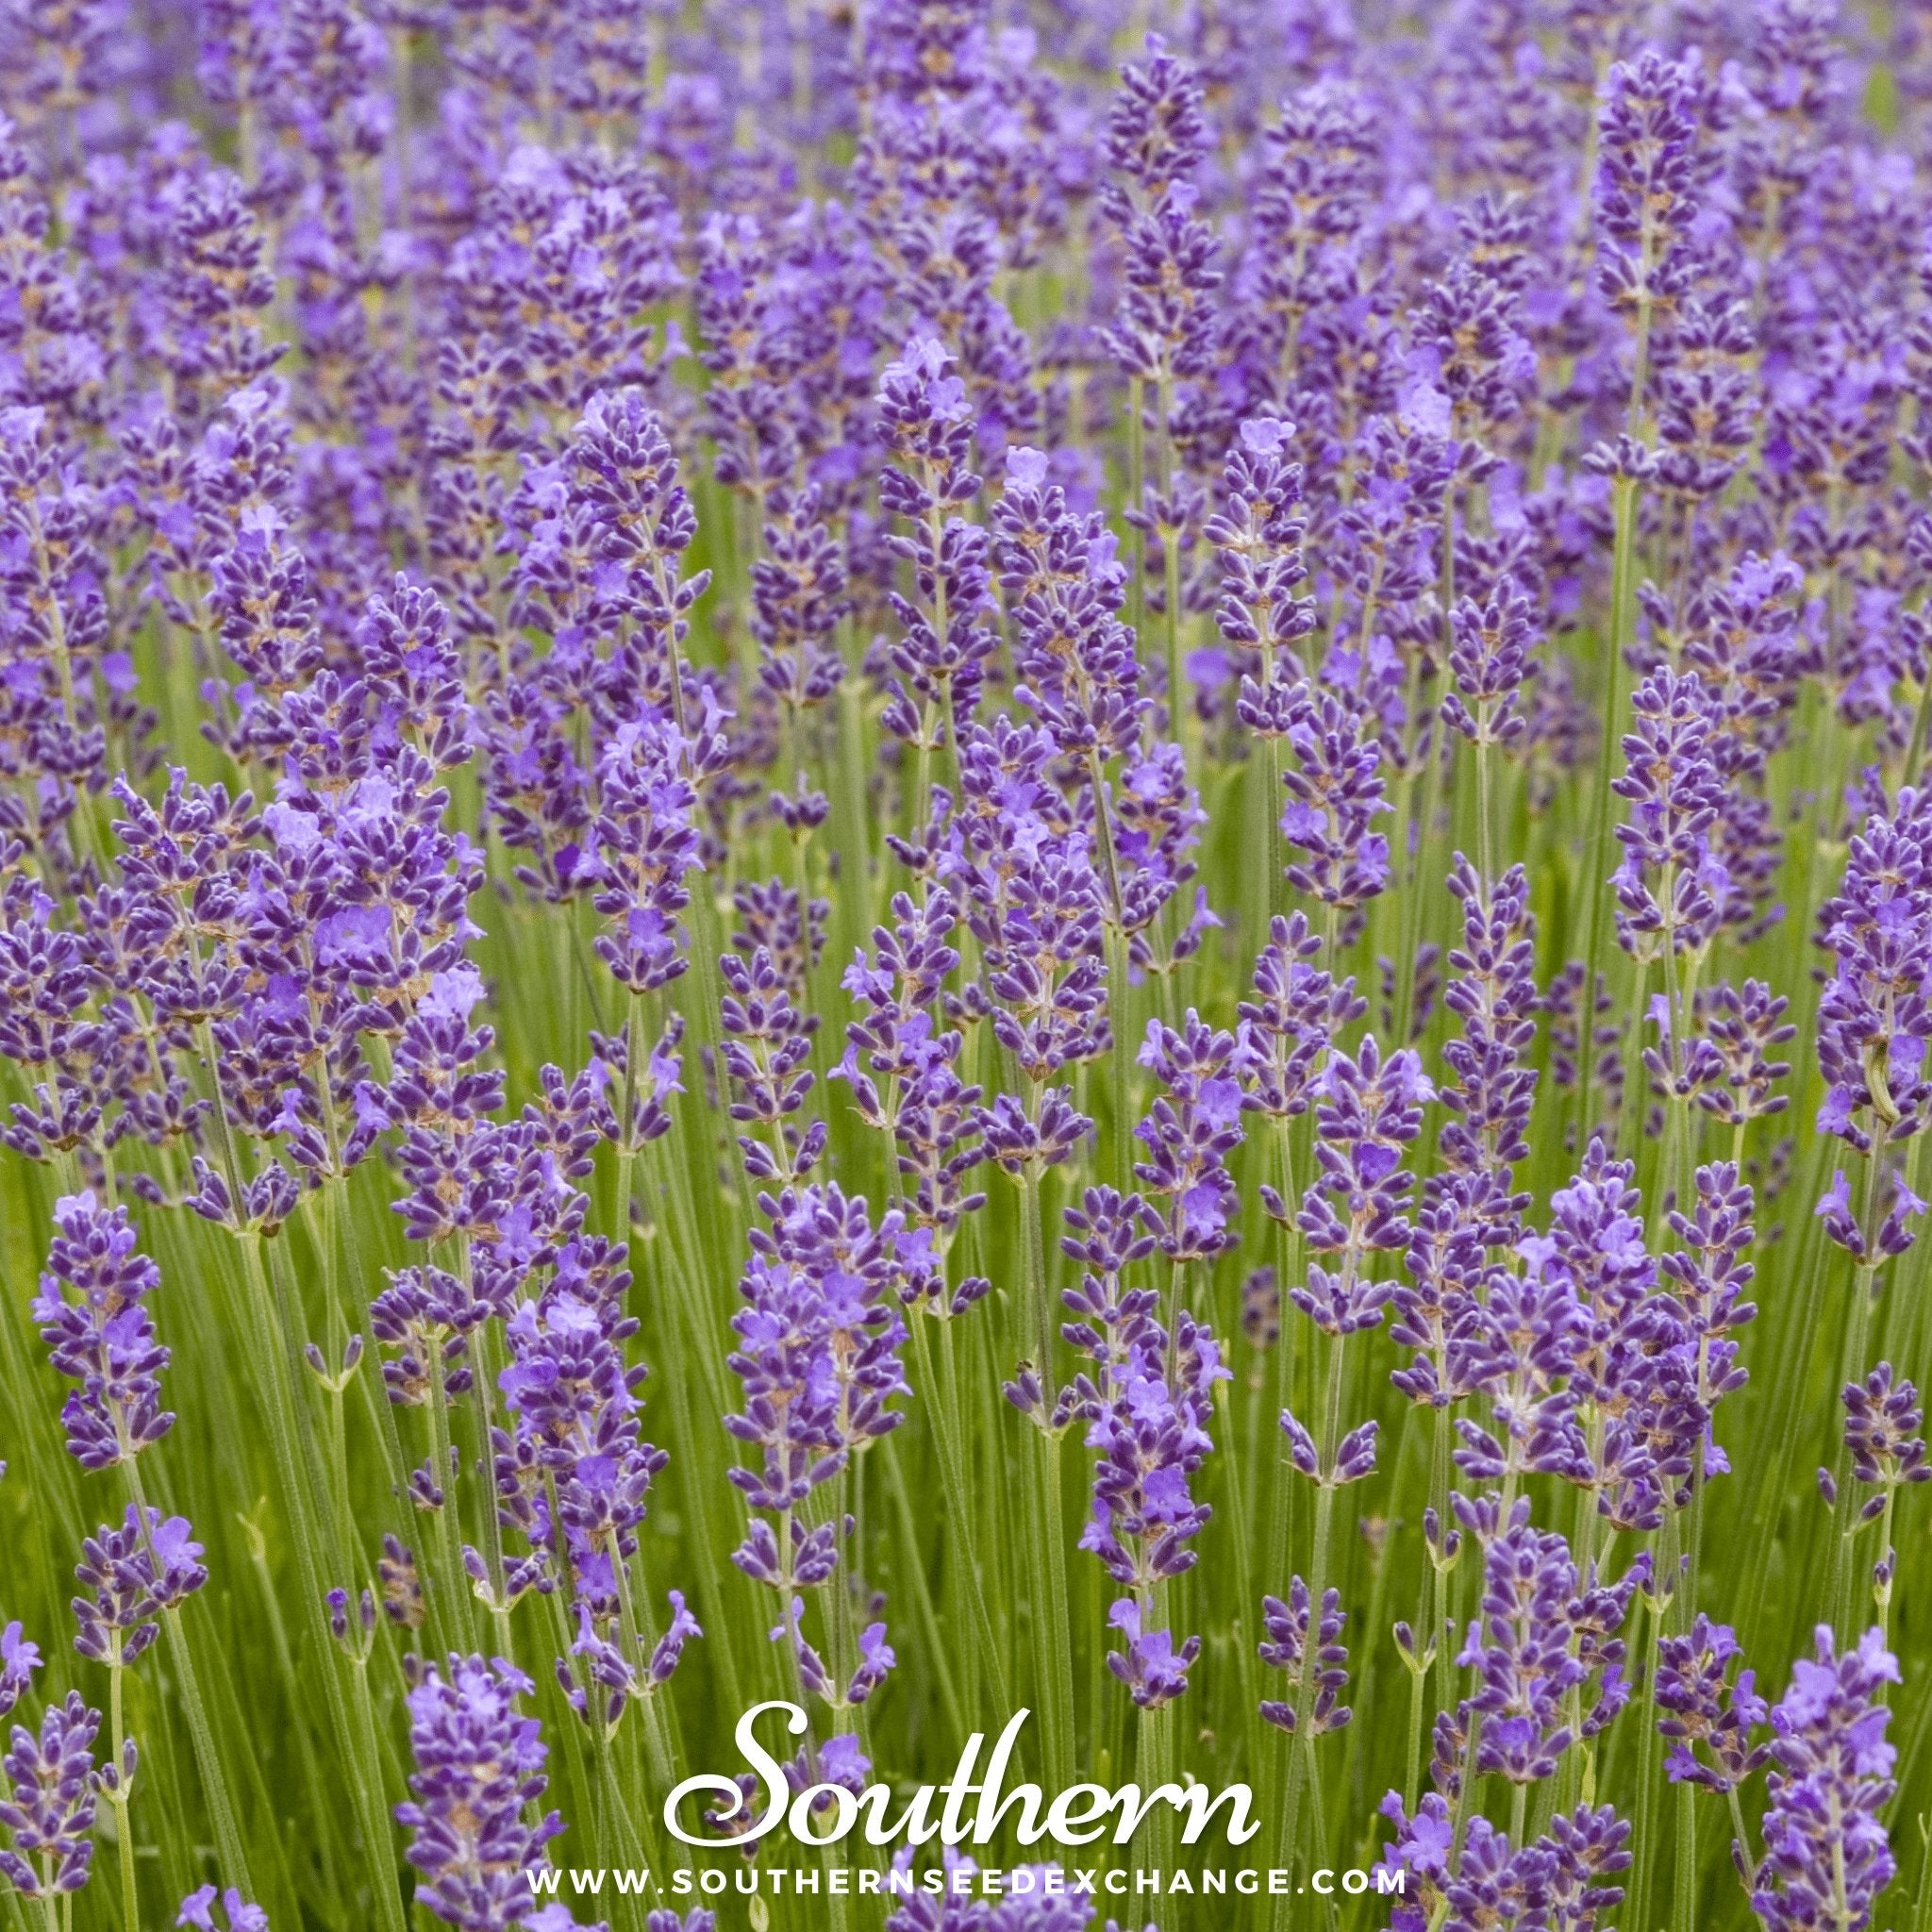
[(929, 860)]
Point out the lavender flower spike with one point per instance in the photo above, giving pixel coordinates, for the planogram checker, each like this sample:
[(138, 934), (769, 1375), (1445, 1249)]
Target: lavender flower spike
[(1187, 1135), (1704, 1705), (1288, 1649), (92, 1317), (52, 1809), (1151, 1668), (479, 1764), (1826, 1857), (1490, 659)]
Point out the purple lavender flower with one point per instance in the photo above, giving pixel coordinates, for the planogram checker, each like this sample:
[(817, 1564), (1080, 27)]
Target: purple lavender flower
[(1335, 794), (44, 984), (1707, 1705), (1882, 1421), (931, 1113), (952, 1909), (415, 672), (699, 1919), (1288, 1648), (642, 846), (1873, 1019), (1826, 1857), (1043, 960), (1287, 1029), (1148, 1425), (1741, 1031), (1075, 663), (1318, 185), (135, 1572), (1369, 1108), (1108, 1234), (1257, 537), (197, 1909), (926, 419), (1707, 400), (1493, 992), (624, 475), (1147, 1407), (1457, 1309), (18, 1660), (766, 1045), (1468, 346), (1159, 820), (1189, 1133), (427, 1315), (818, 1356), (1541, 1637), (1646, 180), (798, 596), (1489, 658), (1150, 1666), (479, 1779), (52, 1809), (1019, 1142), (1587, 1847), (1557, 1879), (1674, 795), (575, 1446), (1156, 137), (877, 1660), (1626, 1347), (1845, 1224), (105, 1339)]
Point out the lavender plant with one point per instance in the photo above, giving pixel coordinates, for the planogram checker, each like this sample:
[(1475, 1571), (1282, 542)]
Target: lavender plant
[(923, 857)]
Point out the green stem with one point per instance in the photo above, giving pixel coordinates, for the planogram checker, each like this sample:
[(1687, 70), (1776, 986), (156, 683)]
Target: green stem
[(937, 1647), (1417, 1679), (207, 1760), (123, 1840), (1922, 722), (1623, 494), (1420, 870), (1048, 1556), (1844, 1518), (488, 1365), (689, 1337), (214, 1780), (1439, 1501), (1302, 1767), (376, 1824), (1683, 1887), (1742, 1833), (1155, 1765), (1180, 713), (460, 1620), (1648, 1753), (1115, 933), (626, 1146), (1881, 1593), (1243, 1531), (943, 1408)]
